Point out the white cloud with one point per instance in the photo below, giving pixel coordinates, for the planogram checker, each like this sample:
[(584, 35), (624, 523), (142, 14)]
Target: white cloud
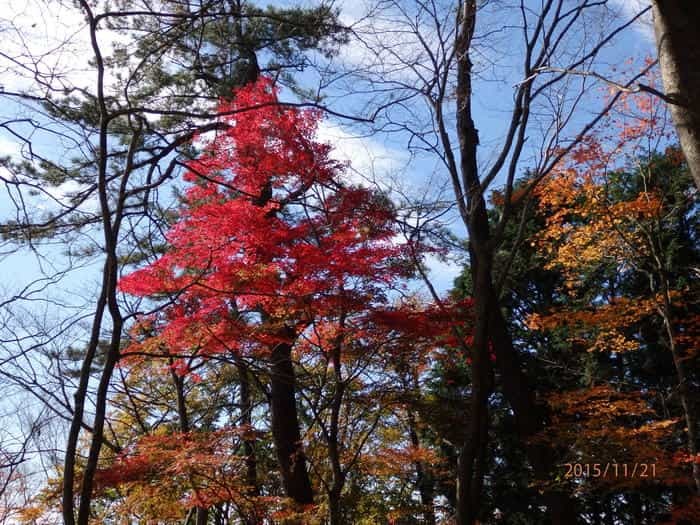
[(63, 192), (370, 160), (386, 38), (40, 37), (644, 27), (9, 148)]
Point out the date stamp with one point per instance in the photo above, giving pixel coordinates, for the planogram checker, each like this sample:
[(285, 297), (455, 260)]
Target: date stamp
[(610, 470)]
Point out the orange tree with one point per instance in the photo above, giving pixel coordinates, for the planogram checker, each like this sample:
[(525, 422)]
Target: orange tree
[(600, 286), (620, 230)]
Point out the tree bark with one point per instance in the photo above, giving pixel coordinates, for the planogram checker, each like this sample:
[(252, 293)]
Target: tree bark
[(334, 510), (470, 465), (251, 464), (490, 327), (202, 516), (334, 451), (80, 396), (285, 426), (424, 481), (676, 25), (246, 420)]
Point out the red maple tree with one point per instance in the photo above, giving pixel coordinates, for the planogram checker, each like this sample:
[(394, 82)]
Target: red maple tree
[(270, 241)]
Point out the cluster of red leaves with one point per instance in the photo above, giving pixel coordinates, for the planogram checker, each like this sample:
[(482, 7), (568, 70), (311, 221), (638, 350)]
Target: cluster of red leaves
[(441, 331), (269, 237), (434, 321)]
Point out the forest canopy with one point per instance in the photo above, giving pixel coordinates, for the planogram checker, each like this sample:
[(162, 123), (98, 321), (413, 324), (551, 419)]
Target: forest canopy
[(389, 262)]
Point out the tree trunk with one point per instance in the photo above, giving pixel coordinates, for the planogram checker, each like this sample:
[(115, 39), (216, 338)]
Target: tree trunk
[(80, 396), (490, 326), (471, 466), (202, 516), (285, 426), (424, 480), (334, 451), (334, 510), (98, 426), (251, 464), (530, 419), (686, 397), (103, 386), (676, 25)]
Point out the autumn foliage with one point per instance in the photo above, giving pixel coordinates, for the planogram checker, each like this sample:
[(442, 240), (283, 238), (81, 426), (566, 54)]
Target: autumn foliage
[(301, 380), (268, 229), (620, 238), (274, 253)]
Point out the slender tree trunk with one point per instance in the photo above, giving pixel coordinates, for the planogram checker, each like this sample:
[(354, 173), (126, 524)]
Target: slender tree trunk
[(676, 25), (285, 426), (333, 432), (469, 471), (179, 384), (424, 481), (110, 269), (252, 69), (251, 463), (108, 301), (686, 398), (596, 511), (246, 420), (490, 327), (471, 466), (202, 516), (79, 407), (481, 459), (637, 515), (98, 425), (200, 513), (334, 509)]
